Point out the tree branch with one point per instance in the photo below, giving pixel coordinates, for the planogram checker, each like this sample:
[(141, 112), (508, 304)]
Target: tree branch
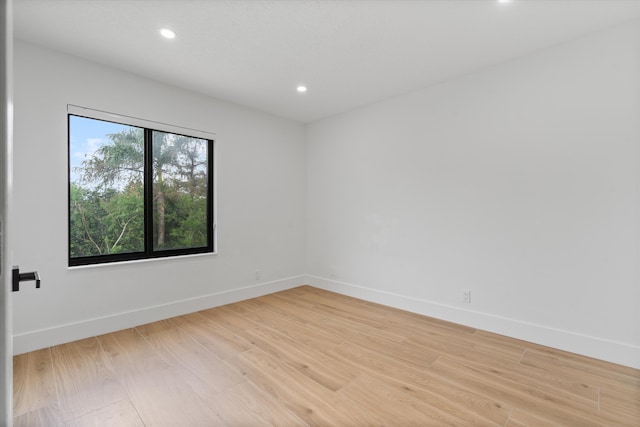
[(121, 234), (86, 229)]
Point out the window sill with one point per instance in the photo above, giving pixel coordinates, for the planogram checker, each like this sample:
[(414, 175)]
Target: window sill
[(141, 261)]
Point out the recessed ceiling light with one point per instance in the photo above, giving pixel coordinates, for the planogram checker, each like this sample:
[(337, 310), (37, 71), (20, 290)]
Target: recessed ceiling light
[(504, 1), (167, 33), (301, 88)]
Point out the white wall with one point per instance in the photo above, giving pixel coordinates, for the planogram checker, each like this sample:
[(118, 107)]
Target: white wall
[(519, 182), (261, 183)]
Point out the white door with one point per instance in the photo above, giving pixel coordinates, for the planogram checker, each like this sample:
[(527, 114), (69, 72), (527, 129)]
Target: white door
[(6, 139)]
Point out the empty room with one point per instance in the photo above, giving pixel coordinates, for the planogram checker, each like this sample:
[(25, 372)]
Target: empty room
[(322, 212)]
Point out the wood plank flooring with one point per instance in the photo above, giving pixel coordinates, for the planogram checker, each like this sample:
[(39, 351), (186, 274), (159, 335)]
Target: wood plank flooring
[(311, 357)]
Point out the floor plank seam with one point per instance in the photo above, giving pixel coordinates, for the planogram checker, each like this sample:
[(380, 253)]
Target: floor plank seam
[(522, 356), (55, 381), (506, 422), (117, 377), (194, 339), (213, 353), (432, 363)]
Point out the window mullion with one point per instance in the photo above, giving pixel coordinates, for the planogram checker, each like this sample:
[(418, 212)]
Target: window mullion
[(148, 191)]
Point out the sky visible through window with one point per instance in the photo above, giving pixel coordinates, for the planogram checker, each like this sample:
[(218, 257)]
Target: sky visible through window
[(86, 136)]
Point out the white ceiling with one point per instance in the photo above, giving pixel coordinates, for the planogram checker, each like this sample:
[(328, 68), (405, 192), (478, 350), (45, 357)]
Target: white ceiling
[(349, 53)]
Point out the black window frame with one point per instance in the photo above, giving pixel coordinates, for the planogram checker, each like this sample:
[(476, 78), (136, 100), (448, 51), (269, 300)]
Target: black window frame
[(148, 252)]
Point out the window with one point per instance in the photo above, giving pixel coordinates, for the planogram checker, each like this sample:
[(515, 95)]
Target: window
[(136, 192)]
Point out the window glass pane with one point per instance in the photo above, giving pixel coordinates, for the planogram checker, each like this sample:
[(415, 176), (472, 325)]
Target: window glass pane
[(180, 191), (106, 204)]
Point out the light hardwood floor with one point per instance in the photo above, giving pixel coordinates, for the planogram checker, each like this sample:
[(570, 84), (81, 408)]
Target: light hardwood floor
[(310, 357)]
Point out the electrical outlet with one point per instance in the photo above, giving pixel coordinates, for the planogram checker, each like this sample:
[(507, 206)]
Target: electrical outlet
[(466, 296), (257, 274)]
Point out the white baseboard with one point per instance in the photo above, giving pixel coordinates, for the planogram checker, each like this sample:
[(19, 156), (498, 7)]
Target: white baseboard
[(42, 338), (598, 348)]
